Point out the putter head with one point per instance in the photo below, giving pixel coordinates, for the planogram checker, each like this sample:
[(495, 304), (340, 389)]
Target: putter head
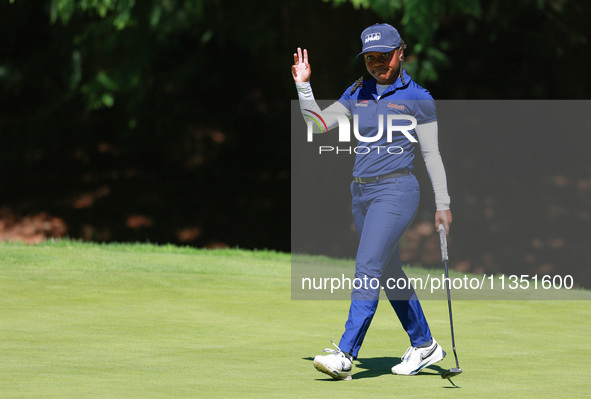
[(451, 373)]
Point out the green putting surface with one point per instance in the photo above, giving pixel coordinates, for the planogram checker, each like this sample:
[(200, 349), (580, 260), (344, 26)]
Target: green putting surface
[(142, 321)]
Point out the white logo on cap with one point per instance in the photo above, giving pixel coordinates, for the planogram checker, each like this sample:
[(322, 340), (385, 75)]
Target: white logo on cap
[(373, 36)]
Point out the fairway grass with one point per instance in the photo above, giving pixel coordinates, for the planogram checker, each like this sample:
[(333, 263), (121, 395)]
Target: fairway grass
[(143, 321)]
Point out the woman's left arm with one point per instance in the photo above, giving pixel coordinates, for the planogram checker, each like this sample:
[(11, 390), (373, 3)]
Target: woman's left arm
[(428, 139)]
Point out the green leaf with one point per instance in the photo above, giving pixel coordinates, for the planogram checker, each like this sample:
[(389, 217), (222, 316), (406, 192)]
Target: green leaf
[(106, 81), (108, 100)]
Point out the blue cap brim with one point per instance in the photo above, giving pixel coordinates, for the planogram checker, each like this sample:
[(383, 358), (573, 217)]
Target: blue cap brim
[(379, 49)]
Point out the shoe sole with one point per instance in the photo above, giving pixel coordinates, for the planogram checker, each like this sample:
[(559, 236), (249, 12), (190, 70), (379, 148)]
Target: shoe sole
[(337, 375), (431, 361)]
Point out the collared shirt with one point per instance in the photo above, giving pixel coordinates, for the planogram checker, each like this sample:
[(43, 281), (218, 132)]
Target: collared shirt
[(376, 155)]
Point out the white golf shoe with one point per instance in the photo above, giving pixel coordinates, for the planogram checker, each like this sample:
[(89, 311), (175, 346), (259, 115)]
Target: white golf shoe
[(416, 359), (338, 365)]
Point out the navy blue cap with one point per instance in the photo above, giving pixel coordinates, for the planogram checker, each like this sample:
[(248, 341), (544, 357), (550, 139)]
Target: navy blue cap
[(382, 38)]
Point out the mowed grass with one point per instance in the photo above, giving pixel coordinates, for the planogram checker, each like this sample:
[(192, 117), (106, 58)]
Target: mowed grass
[(142, 321)]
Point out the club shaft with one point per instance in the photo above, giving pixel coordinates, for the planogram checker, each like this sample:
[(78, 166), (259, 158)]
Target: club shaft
[(451, 321)]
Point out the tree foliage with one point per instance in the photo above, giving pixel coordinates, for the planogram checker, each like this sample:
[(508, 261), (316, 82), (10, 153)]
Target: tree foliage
[(437, 30), (179, 110), (99, 96), (419, 23)]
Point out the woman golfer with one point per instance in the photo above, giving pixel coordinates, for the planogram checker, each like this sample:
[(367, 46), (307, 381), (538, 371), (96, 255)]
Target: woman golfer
[(384, 189)]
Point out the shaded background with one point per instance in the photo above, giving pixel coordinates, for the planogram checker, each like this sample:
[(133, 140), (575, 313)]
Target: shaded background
[(169, 121)]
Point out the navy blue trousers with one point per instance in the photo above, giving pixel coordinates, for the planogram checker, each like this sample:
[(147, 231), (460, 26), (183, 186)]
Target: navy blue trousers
[(382, 212)]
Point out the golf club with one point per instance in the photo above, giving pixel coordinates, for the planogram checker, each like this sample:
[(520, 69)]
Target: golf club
[(444, 256)]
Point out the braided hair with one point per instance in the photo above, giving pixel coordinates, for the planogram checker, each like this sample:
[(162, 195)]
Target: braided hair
[(402, 48), (366, 75), (359, 82)]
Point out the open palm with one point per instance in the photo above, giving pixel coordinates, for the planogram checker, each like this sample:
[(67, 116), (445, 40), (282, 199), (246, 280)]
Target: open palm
[(301, 69)]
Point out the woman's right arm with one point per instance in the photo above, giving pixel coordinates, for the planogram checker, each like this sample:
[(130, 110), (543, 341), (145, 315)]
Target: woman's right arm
[(325, 120)]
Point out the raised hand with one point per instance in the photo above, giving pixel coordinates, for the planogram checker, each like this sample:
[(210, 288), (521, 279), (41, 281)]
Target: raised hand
[(300, 69)]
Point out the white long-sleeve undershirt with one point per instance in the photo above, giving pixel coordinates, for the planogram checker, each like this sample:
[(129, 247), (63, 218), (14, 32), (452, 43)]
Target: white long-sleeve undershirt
[(427, 135)]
